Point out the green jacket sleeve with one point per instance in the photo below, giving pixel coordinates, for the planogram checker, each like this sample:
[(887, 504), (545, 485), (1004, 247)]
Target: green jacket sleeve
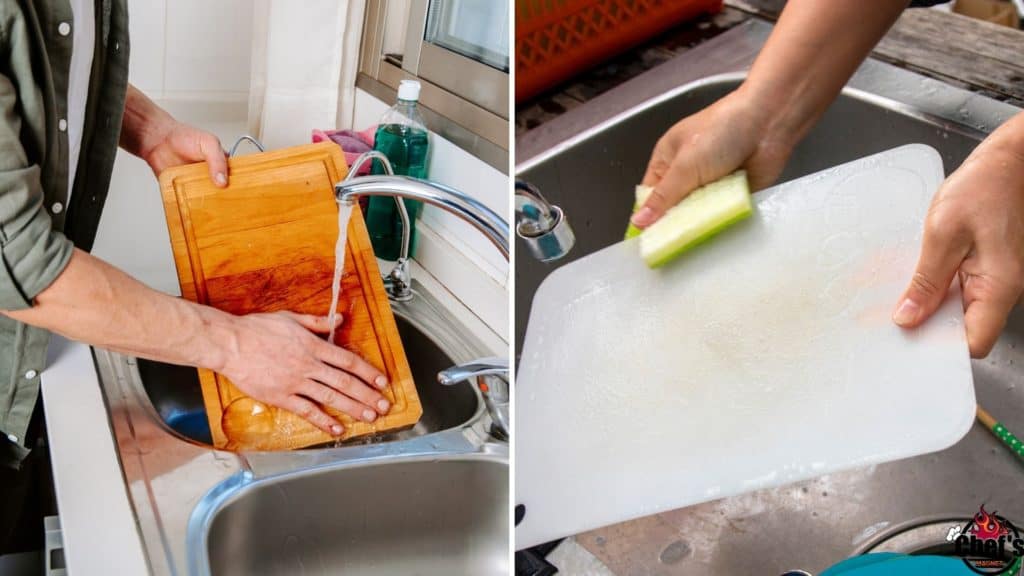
[(33, 253)]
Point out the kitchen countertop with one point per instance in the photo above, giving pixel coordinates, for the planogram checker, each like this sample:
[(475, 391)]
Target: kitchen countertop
[(97, 523)]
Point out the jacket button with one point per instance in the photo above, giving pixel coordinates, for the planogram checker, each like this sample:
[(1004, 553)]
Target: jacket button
[(12, 438), (57, 207), (62, 125), (64, 28), (31, 374)]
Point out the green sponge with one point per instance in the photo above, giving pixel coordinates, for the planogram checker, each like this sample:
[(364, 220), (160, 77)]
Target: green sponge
[(697, 217)]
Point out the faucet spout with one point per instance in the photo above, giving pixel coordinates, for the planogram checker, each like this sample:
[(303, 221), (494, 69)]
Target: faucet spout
[(492, 366), (541, 224), (448, 199)]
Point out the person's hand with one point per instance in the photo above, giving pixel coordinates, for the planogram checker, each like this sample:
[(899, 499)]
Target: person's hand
[(975, 228), (730, 134), (174, 143), (152, 134), (276, 359)]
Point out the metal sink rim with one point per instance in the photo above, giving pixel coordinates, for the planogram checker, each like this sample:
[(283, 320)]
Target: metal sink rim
[(735, 78)]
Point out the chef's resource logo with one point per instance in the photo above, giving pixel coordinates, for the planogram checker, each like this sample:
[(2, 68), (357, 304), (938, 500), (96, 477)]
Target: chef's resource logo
[(988, 544)]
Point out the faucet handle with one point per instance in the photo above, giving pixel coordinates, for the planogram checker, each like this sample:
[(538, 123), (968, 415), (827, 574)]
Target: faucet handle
[(496, 397), (489, 366)]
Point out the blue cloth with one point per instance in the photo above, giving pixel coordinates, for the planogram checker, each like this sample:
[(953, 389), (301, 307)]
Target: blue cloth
[(889, 564)]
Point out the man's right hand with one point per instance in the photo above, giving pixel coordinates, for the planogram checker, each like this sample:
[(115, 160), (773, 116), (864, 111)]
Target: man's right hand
[(730, 134), (276, 359)]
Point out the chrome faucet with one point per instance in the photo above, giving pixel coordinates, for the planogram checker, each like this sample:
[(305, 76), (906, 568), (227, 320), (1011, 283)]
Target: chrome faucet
[(496, 396), (490, 366), (476, 214), (448, 199), (541, 224)]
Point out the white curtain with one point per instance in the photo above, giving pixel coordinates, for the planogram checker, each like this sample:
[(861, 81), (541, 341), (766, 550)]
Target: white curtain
[(305, 56)]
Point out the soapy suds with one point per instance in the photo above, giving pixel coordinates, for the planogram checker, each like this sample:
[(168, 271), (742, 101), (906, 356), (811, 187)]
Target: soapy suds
[(344, 213)]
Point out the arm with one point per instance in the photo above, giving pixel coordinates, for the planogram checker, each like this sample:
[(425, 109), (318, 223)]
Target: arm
[(975, 229), (272, 357), (815, 47)]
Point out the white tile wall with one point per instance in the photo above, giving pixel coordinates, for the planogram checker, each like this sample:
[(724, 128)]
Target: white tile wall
[(147, 30), (191, 49)]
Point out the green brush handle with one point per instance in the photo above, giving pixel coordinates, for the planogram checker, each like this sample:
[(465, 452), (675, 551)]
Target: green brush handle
[(1011, 441)]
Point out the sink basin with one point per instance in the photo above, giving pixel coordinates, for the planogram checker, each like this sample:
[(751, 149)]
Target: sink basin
[(446, 516), (177, 396), (431, 500), (813, 524)]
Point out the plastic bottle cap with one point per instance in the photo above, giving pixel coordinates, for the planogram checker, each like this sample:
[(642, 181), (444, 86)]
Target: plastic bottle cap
[(409, 90)]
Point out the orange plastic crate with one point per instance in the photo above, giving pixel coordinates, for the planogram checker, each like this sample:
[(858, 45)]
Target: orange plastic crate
[(556, 39)]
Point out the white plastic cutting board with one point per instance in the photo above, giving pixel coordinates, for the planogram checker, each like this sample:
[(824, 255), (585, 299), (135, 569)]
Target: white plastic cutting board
[(762, 357)]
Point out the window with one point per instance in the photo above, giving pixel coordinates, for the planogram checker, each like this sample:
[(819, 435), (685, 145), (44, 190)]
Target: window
[(459, 50), (476, 29)]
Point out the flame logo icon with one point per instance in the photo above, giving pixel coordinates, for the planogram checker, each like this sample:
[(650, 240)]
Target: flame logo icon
[(988, 526)]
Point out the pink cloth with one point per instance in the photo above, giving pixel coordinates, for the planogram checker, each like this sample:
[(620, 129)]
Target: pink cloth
[(352, 143)]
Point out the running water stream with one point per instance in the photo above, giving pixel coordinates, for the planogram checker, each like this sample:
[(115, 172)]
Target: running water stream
[(344, 213)]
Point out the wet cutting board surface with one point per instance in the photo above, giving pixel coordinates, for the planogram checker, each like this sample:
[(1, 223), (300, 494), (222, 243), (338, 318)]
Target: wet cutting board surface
[(266, 243), (762, 357)]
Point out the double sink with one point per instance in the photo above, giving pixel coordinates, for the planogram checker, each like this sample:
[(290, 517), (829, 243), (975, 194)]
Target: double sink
[(587, 162), (428, 500)]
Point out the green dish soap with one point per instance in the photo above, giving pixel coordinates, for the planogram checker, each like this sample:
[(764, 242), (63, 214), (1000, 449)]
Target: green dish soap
[(402, 136)]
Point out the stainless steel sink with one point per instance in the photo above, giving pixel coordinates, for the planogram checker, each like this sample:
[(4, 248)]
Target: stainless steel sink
[(589, 170), (400, 518), (430, 500), (177, 397)]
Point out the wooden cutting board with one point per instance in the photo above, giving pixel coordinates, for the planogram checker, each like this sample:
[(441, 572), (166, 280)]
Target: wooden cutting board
[(266, 243)]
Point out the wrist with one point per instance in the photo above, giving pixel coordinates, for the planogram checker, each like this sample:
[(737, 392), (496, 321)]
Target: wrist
[(780, 115), (145, 124), (217, 339)]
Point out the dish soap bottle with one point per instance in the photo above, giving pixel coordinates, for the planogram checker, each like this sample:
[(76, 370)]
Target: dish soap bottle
[(402, 137)]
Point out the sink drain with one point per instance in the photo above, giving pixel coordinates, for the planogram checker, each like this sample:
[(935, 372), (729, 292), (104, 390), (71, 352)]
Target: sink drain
[(936, 536)]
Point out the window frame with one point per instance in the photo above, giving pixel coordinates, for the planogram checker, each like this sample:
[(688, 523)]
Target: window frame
[(462, 100)]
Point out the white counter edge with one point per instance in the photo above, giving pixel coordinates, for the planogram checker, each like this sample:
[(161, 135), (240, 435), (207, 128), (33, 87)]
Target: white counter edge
[(98, 525)]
